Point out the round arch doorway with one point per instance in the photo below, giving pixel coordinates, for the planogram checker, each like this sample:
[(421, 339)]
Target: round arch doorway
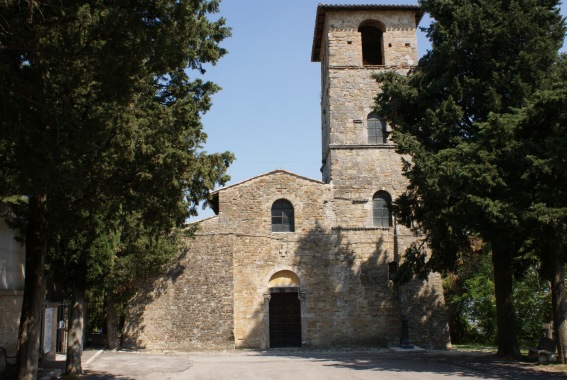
[(284, 310)]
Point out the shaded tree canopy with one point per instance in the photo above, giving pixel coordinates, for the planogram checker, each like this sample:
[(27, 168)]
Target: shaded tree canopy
[(488, 58), (100, 118)]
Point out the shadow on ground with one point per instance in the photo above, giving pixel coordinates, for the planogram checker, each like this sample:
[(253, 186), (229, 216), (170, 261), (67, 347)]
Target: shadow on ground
[(94, 375), (462, 364), (382, 362)]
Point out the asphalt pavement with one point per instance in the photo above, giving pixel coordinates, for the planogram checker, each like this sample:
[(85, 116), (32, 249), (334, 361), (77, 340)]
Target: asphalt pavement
[(303, 364)]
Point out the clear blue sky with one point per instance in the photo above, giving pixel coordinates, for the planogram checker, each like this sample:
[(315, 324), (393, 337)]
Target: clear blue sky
[(268, 112)]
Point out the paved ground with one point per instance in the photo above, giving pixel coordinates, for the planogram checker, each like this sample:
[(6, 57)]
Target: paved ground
[(306, 365)]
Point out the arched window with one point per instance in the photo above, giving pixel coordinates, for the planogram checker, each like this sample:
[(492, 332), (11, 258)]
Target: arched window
[(282, 216), (376, 129), (372, 45), (381, 209)]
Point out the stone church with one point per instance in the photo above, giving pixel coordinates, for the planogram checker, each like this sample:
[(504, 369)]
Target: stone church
[(293, 261)]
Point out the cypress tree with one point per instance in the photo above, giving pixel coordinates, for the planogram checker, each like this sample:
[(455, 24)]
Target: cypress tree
[(100, 110), (487, 58)]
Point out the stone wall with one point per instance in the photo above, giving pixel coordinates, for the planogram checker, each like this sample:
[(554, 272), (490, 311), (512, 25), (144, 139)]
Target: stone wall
[(11, 306), (355, 180), (424, 305), (347, 86), (342, 267), (12, 265), (356, 170), (222, 282), (191, 308), (12, 259), (259, 252), (343, 271), (343, 274), (345, 45)]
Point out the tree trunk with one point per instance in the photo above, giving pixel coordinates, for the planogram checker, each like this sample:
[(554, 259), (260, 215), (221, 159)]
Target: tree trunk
[(559, 304), (76, 329), (454, 310), (34, 289), (505, 315), (111, 322)]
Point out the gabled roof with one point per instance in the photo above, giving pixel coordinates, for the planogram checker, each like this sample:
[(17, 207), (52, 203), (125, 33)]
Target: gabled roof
[(203, 220), (265, 175), (323, 8), (214, 201)]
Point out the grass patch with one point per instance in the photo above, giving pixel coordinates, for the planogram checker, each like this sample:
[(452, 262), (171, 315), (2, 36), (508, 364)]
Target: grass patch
[(475, 347), (479, 347)]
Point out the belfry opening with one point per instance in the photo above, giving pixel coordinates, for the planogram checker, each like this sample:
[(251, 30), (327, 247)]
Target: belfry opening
[(372, 43)]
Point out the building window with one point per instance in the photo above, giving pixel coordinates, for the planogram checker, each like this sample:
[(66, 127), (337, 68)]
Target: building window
[(376, 129), (381, 209), (372, 45), (282, 216)]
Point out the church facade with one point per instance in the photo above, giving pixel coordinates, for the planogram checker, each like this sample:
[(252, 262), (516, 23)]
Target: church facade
[(293, 261)]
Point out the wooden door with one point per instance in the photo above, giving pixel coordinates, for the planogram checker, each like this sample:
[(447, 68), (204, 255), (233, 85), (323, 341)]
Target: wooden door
[(285, 320)]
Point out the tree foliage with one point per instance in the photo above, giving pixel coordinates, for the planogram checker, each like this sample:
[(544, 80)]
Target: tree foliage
[(100, 125), (541, 129), (469, 295), (488, 58)]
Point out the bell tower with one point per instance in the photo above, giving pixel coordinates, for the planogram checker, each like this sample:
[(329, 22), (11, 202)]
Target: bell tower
[(352, 42), (360, 163)]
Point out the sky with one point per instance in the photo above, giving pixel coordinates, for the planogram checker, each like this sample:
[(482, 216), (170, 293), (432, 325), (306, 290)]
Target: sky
[(268, 111)]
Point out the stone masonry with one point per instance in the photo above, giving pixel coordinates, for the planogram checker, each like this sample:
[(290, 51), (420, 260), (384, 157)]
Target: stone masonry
[(191, 308), (218, 294), (12, 261)]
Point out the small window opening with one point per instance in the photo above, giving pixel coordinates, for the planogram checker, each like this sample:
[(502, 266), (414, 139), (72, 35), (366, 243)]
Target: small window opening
[(282, 216), (381, 209), (376, 129)]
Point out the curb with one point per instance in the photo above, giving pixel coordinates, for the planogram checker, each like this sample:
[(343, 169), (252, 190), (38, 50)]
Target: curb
[(93, 357)]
